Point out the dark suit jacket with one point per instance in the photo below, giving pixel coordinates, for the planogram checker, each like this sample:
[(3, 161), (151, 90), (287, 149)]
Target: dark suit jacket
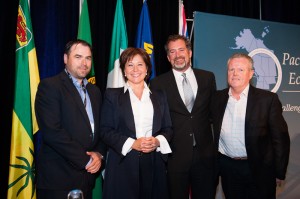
[(117, 125), (185, 123), (66, 133), (266, 135)]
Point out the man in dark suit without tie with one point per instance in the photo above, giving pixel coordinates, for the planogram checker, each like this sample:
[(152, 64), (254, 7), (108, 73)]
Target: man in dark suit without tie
[(251, 135), (68, 115)]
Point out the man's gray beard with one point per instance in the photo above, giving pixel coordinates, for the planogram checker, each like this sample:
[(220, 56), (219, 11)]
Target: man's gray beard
[(179, 67)]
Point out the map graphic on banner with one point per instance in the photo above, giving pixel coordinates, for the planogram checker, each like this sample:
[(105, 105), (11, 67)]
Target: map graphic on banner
[(275, 50), (266, 73)]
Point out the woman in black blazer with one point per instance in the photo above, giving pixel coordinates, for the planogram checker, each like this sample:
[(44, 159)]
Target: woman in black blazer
[(136, 126)]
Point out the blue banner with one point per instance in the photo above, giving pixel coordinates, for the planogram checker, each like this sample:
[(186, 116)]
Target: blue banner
[(275, 50)]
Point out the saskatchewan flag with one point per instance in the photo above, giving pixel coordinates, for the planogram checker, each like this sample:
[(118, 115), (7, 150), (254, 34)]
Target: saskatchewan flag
[(21, 183), (119, 43), (84, 32)]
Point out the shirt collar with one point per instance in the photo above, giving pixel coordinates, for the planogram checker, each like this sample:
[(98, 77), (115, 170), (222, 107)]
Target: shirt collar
[(146, 88), (178, 74), (244, 92), (75, 81)]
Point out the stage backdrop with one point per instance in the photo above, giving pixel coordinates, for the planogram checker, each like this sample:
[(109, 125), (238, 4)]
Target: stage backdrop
[(275, 48)]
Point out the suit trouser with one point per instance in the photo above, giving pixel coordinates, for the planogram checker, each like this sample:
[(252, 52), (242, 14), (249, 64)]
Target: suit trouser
[(152, 176), (237, 179), (146, 175), (199, 181)]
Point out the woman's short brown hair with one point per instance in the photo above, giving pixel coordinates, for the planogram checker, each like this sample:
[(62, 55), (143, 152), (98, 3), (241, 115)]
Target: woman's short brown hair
[(128, 55)]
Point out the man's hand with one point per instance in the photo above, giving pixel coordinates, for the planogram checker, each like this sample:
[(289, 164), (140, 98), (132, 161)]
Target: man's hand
[(279, 182), (95, 163)]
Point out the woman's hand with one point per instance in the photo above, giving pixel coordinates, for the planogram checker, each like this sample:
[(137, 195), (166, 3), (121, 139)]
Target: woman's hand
[(146, 144)]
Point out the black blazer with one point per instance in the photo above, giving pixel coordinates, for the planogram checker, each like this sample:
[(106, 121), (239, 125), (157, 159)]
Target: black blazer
[(66, 133), (117, 125), (185, 123), (266, 135)]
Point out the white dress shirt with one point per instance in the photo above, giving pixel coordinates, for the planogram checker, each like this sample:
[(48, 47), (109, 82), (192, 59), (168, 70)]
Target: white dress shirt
[(192, 79), (232, 137), (143, 119)]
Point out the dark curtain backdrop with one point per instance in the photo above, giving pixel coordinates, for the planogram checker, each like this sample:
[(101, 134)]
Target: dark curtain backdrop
[(55, 22)]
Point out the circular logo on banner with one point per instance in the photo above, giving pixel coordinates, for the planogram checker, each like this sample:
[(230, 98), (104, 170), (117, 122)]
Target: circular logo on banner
[(265, 74)]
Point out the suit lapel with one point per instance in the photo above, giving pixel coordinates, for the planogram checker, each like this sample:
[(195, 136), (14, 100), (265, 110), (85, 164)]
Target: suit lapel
[(223, 99), (127, 112), (94, 106), (156, 116), (75, 96), (175, 95), (199, 84), (250, 105)]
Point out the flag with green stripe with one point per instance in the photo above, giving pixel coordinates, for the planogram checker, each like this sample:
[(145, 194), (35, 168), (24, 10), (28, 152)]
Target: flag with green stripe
[(119, 43), (21, 183), (84, 32)]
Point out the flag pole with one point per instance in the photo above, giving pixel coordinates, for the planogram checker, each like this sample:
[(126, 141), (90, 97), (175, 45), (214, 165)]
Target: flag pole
[(80, 7), (192, 29), (179, 9)]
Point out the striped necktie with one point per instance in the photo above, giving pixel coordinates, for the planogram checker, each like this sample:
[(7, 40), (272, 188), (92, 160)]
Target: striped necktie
[(188, 93), (84, 91)]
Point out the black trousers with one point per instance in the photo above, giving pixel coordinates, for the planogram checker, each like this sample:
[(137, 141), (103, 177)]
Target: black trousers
[(146, 175), (236, 178), (199, 181)]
